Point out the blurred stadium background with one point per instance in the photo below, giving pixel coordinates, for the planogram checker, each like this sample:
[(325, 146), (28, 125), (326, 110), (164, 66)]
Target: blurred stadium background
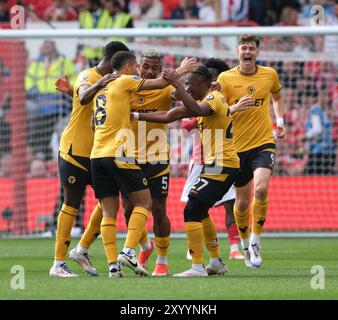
[(303, 194)]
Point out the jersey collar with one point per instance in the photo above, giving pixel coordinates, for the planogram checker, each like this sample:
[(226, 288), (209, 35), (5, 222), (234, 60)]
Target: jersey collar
[(98, 71), (248, 74)]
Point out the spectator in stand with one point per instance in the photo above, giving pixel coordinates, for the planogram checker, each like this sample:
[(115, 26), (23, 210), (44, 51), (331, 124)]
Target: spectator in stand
[(4, 12), (45, 106), (93, 17), (119, 18), (146, 10), (5, 105), (234, 10), (6, 168), (96, 16), (331, 42), (38, 167), (169, 6), (60, 10), (206, 11), (319, 137), (187, 10)]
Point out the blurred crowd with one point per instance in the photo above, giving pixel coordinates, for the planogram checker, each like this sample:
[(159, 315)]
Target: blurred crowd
[(310, 86)]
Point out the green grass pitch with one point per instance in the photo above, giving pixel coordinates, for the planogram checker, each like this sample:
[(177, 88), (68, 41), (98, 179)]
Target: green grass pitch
[(285, 274)]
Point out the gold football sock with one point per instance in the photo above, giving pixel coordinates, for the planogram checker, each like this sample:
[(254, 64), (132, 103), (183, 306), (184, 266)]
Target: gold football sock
[(194, 232), (108, 231), (162, 245), (136, 227), (259, 210), (242, 220), (66, 220), (210, 237), (93, 228), (144, 237)]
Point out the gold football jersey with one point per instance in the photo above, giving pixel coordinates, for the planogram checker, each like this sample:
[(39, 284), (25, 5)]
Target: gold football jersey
[(113, 135), (151, 138), (78, 136), (252, 127), (216, 133)]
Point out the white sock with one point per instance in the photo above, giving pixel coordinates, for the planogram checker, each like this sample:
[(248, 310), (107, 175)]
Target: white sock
[(145, 246), (58, 263), (81, 250), (234, 247), (129, 251), (255, 238), (215, 261), (245, 243), (198, 267), (162, 260)]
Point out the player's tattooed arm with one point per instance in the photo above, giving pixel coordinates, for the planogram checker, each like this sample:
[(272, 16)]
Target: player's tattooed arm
[(162, 116), (244, 103)]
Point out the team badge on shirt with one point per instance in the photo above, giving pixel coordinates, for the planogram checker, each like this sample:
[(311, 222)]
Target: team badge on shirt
[(71, 179), (141, 100), (251, 90)]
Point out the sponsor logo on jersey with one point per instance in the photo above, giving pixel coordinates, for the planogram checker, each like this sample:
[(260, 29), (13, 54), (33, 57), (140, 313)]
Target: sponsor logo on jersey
[(136, 78)]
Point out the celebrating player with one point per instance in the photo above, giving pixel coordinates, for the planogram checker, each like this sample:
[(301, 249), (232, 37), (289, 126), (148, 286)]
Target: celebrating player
[(219, 171), (74, 164), (153, 159), (215, 66), (113, 163), (254, 140)]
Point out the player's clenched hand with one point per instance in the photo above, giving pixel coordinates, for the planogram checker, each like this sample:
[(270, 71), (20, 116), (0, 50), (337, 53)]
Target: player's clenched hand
[(63, 85), (107, 78), (189, 64), (280, 131), (171, 76), (243, 104)]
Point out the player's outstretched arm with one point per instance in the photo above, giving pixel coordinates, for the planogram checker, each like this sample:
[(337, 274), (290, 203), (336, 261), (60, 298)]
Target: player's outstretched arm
[(244, 103), (187, 65), (87, 93), (278, 108), (63, 85), (162, 116)]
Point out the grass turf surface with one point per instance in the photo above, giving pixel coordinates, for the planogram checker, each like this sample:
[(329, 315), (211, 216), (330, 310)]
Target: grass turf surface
[(285, 274)]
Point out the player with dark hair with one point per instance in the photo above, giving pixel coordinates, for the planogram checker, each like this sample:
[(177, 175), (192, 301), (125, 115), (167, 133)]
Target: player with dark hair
[(74, 163), (215, 67), (254, 140), (220, 168)]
